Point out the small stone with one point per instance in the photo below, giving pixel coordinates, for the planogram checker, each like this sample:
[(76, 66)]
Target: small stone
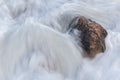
[(92, 35)]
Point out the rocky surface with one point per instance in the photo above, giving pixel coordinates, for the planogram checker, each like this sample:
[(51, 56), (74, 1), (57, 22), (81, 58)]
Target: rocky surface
[(92, 35)]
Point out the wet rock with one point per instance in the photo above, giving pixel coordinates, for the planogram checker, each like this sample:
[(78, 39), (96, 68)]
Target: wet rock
[(92, 35)]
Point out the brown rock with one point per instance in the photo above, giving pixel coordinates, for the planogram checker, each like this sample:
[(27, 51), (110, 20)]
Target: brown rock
[(92, 35)]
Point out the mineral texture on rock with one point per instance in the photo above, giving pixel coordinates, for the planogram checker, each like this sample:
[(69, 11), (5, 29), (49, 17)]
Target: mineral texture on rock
[(92, 35)]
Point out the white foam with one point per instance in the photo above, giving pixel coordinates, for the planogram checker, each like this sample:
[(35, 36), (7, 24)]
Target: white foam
[(35, 45)]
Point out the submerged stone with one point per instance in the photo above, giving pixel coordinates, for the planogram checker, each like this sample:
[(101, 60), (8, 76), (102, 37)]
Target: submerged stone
[(92, 35)]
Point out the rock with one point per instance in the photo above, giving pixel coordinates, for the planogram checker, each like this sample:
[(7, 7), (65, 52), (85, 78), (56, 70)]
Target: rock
[(92, 35)]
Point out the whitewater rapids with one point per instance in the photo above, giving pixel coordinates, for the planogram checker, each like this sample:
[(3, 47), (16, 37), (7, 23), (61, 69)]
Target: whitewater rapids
[(35, 44)]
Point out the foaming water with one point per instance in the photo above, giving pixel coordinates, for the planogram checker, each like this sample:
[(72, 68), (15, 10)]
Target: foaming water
[(35, 44)]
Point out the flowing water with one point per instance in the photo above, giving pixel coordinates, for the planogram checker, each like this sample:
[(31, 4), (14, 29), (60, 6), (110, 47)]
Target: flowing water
[(35, 44)]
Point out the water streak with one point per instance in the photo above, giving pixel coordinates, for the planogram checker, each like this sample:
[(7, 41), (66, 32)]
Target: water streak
[(35, 44)]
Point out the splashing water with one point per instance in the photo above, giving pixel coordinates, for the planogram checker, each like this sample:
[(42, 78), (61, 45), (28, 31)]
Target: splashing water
[(35, 44)]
